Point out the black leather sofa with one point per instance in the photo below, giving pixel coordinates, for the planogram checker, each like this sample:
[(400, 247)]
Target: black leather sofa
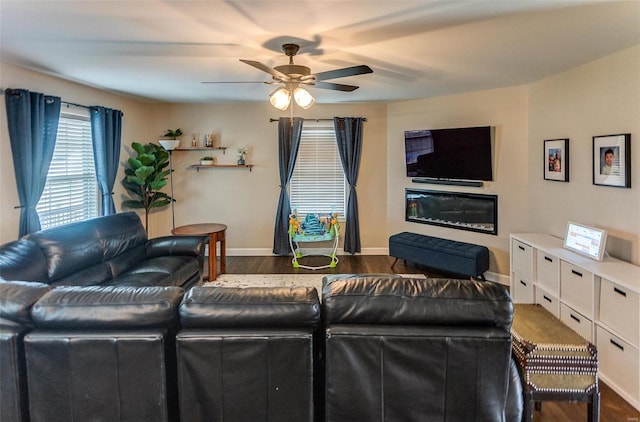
[(111, 250), (163, 353), (248, 354), (406, 350), (107, 264)]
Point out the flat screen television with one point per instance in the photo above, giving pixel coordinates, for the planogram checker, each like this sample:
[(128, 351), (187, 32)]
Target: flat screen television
[(450, 154), (585, 240)]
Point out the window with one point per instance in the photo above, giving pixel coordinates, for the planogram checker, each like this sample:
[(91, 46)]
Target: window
[(318, 183), (71, 192)]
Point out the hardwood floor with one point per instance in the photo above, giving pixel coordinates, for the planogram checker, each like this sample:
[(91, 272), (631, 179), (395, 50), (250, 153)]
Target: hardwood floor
[(612, 407)]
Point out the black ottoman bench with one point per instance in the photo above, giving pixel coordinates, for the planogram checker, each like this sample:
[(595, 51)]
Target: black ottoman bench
[(447, 256)]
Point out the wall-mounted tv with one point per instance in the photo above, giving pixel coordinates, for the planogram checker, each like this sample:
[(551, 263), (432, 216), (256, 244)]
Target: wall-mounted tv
[(451, 154)]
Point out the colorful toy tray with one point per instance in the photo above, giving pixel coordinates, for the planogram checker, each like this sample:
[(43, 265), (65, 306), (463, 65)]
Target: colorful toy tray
[(315, 228)]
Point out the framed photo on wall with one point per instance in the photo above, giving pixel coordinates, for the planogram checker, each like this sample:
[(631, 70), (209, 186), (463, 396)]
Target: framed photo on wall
[(612, 160), (556, 160)]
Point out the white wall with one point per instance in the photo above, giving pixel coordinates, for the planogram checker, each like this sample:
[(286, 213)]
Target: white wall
[(506, 110), (134, 127), (246, 201), (599, 98)]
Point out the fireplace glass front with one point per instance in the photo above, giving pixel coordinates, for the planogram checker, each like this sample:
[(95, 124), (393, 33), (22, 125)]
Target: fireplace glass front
[(463, 211)]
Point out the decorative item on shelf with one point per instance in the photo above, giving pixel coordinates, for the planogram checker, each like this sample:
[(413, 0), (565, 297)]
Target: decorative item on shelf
[(242, 151), (206, 161), (208, 142), (194, 141)]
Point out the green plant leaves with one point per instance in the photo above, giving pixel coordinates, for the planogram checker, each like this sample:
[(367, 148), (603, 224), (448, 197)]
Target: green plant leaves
[(145, 176)]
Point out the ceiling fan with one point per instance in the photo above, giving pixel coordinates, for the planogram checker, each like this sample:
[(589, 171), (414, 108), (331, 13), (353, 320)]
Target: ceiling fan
[(292, 76)]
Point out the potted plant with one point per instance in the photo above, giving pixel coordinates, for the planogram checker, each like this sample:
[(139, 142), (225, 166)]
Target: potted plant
[(206, 161), (173, 134), (145, 177)]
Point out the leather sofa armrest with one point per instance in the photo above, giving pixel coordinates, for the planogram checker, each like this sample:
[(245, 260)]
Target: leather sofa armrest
[(17, 299), (176, 245), (514, 405), (108, 307), (227, 307)]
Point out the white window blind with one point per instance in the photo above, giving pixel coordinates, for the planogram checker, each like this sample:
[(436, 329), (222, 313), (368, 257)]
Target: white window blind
[(318, 183), (70, 193)]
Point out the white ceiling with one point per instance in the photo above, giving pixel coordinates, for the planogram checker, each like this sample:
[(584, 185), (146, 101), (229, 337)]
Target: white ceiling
[(161, 50)]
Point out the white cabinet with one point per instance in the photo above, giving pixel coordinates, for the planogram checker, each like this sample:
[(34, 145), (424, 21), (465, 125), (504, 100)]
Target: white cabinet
[(619, 310), (600, 300), (548, 272), (521, 272), (577, 322), (618, 362), (577, 288)]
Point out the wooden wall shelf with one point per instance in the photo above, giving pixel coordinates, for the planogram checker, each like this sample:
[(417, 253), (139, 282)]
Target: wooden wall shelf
[(229, 166), (223, 149)]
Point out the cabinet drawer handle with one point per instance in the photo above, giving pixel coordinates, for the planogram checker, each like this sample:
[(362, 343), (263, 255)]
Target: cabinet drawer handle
[(617, 345), (575, 318), (523, 283), (620, 292), (521, 247), (579, 274), (547, 299), (548, 259)]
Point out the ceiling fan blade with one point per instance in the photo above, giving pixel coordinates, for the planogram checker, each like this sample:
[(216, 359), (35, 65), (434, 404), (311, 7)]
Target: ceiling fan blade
[(234, 82), (276, 74), (335, 87), (340, 73)]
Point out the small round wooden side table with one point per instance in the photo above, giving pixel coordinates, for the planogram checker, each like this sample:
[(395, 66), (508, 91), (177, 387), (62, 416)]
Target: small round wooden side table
[(216, 233)]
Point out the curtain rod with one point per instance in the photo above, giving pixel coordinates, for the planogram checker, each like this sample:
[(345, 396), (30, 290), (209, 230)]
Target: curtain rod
[(271, 120), (67, 103)]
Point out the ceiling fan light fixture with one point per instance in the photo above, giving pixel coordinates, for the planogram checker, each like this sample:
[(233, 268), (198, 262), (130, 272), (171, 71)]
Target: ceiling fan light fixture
[(280, 98), (303, 98)]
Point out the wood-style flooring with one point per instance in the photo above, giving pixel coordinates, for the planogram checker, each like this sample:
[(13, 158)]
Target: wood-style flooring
[(612, 407)]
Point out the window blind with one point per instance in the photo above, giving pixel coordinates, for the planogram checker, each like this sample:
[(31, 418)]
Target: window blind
[(318, 183), (70, 193)]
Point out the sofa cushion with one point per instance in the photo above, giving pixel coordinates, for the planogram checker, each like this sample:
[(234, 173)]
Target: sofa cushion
[(91, 276), (23, 260), (69, 248), (177, 269), (108, 307), (17, 298), (408, 301), (119, 233), (224, 307)]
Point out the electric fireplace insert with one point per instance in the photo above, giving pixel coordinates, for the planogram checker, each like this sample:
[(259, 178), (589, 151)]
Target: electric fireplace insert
[(463, 211)]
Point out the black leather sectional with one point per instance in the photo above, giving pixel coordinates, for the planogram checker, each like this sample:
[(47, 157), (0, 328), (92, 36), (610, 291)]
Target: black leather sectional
[(377, 348)]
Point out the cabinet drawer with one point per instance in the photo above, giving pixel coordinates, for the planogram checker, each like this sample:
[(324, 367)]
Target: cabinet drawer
[(576, 321), (548, 301), (576, 288), (522, 259), (618, 361), (548, 272), (619, 310), (521, 289)]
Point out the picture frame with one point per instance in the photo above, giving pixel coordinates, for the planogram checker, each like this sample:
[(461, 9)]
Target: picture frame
[(612, 160), (556, 160)]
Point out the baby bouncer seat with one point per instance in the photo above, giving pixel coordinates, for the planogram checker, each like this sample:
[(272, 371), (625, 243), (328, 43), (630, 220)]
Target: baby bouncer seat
[(317, 227)]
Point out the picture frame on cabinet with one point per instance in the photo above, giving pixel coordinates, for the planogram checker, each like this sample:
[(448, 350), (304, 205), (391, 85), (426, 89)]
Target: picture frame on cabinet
[(556, 160), (612, 160)]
